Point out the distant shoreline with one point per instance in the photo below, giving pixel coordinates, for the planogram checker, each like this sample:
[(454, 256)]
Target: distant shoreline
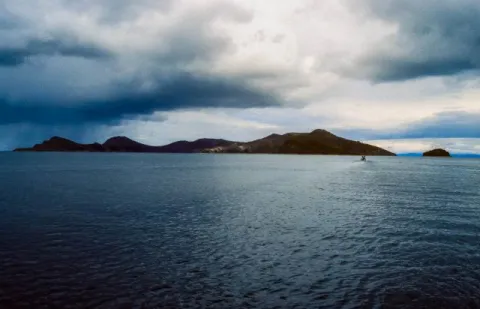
[(416, 156), (317, 142)]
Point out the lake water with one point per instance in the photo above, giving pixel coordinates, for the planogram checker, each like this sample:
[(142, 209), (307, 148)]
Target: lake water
[(238, 231)]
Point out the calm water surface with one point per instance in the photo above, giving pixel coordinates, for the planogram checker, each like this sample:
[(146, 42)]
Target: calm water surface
[(238, 231)]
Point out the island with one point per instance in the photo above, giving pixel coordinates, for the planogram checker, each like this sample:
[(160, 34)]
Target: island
[(438, 152), (315, 142)]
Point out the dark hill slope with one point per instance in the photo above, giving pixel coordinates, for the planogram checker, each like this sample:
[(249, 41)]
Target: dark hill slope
[(62, 144), (315, 142), (195, 146), (125, 144), (436, 153)]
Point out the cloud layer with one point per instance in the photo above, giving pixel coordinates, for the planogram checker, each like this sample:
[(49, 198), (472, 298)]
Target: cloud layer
[(176, 92), (431, 38), (365, 69), (51, 62)]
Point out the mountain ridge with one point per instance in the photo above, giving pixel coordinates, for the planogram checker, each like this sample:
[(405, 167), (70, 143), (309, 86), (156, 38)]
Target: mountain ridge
[(316, 142), (123, 144)]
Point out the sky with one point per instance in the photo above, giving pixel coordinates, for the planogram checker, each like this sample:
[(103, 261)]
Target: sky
[(402, 74)]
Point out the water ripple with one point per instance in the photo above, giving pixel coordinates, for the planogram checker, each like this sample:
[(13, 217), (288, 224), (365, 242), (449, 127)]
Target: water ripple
[(161, 231)]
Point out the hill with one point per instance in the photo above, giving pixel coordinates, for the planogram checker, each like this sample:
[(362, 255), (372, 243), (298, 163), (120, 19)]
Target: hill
[(125, 144), (315, 142), (195, 146), (62, 144), (437, 153)]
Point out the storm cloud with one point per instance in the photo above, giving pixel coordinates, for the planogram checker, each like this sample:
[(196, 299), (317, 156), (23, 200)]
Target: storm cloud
[(441, 125), (431, 38), (13, 56), (184, 91), (444, 125), (119, 77)]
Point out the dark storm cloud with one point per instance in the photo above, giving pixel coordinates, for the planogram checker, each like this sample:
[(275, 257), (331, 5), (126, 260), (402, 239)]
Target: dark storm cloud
[(182, 92), (444, 125), (132, 77), (441, 125), (433, 38), (13, 56), (390, 70)]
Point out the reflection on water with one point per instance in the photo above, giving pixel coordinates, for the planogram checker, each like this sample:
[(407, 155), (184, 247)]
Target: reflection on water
[(238, 231)]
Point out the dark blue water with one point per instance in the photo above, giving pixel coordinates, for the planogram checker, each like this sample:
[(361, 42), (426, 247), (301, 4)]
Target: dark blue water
[(238, 231)]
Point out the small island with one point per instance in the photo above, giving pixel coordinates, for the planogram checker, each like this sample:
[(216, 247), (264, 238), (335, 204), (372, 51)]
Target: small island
[(437, 153)]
